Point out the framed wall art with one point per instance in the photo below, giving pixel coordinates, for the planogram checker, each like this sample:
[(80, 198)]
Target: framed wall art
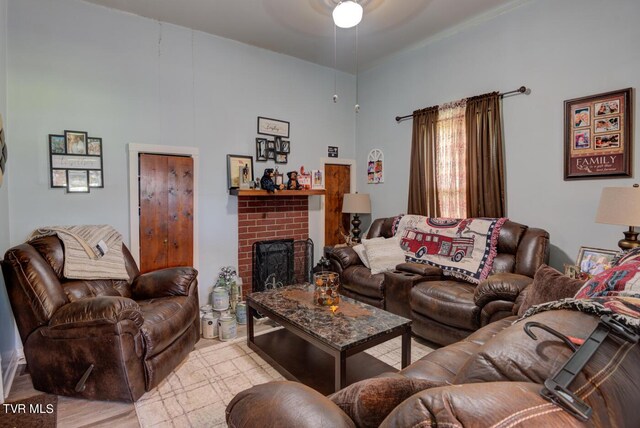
[(592, 261), (75, 161), (598, 140), (282, 158), (275, 127), (375, 164), (261, 149), (239, 171)]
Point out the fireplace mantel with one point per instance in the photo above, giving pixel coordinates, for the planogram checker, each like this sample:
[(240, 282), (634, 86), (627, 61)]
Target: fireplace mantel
[(264, 193)]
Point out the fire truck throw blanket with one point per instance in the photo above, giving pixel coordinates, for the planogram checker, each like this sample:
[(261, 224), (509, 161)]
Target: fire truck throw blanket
[(462, 248)]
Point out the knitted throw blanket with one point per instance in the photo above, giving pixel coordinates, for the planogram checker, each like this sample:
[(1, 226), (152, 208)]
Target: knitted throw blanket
[(83, 259), (463, 248)]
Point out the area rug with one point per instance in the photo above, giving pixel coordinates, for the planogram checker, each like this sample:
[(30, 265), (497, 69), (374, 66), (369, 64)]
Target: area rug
[(196, 394), (38, 411)]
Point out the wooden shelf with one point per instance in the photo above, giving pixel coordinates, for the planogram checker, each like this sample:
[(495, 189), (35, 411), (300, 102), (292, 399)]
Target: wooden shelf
[(264, 193)]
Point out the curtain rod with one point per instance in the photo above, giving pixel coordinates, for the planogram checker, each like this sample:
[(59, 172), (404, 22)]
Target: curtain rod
[(520, 90)]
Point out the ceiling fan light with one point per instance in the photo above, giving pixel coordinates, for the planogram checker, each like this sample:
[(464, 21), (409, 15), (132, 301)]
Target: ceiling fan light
[(347, 14)]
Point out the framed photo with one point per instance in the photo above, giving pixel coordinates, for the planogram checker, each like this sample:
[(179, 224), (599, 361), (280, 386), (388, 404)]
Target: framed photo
[(76, 142), (598, 139), (282, 158), (77, 181), (239, 170), (304, 180), (59, 178), (94, 146), (95, 179), (275, 127), (572, 271), (261, 150), (285, 146), (317, 179), (278, 144), (57, 144), (592, 261)]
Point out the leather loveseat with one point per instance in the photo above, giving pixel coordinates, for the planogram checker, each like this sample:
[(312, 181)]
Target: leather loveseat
[(491, 378), (125, 335), (445, 309)]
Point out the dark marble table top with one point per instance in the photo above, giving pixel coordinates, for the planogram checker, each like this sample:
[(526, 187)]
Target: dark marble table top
[(351, 324)]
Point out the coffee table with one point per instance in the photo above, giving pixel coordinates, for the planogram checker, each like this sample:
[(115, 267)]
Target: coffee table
[(319, 347)]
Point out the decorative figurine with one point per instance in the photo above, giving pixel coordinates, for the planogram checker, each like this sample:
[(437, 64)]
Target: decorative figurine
[(267, 183), (293, 184)]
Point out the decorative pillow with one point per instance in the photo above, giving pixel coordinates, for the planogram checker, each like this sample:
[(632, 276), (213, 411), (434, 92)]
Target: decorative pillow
[(621, 280), (383, 254), (549, 285), (369, 401)]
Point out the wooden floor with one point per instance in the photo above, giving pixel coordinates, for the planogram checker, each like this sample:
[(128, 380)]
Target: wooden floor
[(75, 413)]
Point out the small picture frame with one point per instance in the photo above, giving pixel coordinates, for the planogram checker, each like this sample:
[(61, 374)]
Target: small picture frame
[(317, 179), (592, 261), (304, 180), (94, 146), (261, 150), (271, 149), (286, 146), (57, 145), (76, 142), (282, 158), (77, 181), (278, 144), (571, 271), (95, 179), (237, 166)]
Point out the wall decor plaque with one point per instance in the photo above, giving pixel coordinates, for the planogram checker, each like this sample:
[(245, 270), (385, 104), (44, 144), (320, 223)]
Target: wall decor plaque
[(75, 162)]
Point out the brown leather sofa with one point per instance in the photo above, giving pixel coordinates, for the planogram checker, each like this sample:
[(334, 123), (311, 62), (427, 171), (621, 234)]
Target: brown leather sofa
[(132, 334), (491, 378), (445, 309)]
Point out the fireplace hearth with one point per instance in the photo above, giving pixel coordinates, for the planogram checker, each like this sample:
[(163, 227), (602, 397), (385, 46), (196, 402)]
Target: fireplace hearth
[(281, 262)]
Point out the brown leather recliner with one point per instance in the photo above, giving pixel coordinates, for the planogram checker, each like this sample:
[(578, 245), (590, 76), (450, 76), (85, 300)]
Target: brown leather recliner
[(132, 333), (445, 309), (492, 378)]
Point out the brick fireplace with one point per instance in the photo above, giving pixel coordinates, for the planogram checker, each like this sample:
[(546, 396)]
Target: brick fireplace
[(262, 218)]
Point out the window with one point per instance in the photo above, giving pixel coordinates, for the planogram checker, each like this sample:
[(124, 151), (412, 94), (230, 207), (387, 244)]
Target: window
[(451, 158)]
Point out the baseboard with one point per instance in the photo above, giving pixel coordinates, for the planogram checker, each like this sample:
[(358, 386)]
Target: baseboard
[(9, 374)]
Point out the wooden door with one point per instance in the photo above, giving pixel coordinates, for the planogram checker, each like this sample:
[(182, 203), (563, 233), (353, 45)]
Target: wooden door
[(166, 211), (337, 183)]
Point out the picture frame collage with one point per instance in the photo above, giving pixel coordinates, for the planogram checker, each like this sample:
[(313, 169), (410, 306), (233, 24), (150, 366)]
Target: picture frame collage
[(598, 138), (75, 162), (277, 149)]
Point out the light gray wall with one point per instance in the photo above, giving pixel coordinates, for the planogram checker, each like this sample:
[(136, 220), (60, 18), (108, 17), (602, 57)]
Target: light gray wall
[(7, 331), (127, 79), (561, 50)]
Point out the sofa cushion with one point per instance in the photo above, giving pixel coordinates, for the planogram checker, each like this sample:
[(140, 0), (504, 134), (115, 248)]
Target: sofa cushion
[(165, 319), (448, 302), (383, 254), (549, 285), (360, 280), (369, 401)]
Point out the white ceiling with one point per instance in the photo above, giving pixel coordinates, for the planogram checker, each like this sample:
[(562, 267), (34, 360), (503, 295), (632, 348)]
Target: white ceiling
[(304, 28)]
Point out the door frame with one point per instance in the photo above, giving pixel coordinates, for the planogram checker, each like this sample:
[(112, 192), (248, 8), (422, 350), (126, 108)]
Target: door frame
[(134, 150), (352, 185)]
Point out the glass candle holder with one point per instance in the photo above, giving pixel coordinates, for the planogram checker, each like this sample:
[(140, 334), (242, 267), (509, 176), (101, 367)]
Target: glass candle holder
[(326, 288)]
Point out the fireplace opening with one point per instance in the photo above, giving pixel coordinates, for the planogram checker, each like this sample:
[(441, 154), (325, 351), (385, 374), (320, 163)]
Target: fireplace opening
[(281, 262)]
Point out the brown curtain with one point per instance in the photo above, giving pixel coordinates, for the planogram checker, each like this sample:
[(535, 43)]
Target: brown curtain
[(423, 192), (485, 157)]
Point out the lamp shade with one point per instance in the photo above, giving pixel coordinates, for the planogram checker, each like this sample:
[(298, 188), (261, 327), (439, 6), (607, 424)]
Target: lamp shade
[(347, 14), (356, 203), (619, 205)]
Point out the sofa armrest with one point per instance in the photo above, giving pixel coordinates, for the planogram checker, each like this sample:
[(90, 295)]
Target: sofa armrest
[(423, 269), (96, 311), (284, 404), (501, 286), (176, 281), (343, 257), (480, 404)]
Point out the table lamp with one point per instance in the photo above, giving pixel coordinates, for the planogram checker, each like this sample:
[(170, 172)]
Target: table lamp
[(621, 205), (356, 203)]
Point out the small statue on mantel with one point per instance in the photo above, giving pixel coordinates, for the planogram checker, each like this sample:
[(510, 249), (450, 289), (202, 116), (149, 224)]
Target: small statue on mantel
[(293, 184), (267, 183)]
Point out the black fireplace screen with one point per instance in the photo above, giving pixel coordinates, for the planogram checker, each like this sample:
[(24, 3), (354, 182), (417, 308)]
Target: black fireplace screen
[(281, 262)]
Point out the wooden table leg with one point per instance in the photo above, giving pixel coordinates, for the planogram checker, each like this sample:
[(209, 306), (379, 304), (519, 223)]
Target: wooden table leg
[(250, 313), (406, 347), (340, 371)]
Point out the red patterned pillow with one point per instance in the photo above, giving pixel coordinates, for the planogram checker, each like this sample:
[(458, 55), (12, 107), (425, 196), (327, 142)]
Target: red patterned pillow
[(633, 254), (621, 280)]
